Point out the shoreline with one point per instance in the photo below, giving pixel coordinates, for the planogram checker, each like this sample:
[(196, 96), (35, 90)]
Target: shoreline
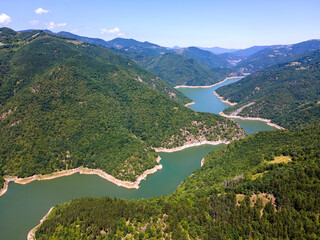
[(185, 86), (202, 162), (268, 121), (4, 189), (82, 170), (101, 173), (169, 150), (189, 104), (32, 233), (222, 99)]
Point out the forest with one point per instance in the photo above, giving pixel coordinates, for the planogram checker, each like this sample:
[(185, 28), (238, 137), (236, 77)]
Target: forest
[(286, 93), (243, 191), (66, 104), (189, 66)]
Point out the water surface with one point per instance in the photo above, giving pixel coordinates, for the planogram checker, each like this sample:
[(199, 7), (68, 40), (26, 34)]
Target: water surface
[(23, 206), (206, 101)]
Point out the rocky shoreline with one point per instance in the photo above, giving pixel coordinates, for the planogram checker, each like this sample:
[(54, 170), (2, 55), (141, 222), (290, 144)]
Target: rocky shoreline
[(185, 86), (222, 99), (268, 121), (82, 170), (32, 232), (194, 144)]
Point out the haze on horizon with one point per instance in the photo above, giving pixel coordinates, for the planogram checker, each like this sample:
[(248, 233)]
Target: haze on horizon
[(205, 23)]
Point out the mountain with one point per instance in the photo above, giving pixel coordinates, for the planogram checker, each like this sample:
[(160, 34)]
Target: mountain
[(206, 58), (180, 70), (124, 44), (146, 54), (235, 57), (265, 186), (96, 41), (176, 47), (131, 45), (218, 50), (65, 104), (232, 59), (286, 93), (274, 55), (252, 50)]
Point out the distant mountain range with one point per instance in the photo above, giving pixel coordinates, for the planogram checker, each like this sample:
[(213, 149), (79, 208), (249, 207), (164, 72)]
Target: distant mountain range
[(233, 61), (189, 66), (218, 50)]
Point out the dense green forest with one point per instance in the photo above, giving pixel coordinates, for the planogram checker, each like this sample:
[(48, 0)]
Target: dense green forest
[(65, 104), (198, 67), (206, 58), (181, 70), (124, 44), (265, 186), (287, 93)]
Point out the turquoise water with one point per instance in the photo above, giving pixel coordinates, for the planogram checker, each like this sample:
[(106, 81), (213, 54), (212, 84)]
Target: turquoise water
[(206, 101), (23, 206)]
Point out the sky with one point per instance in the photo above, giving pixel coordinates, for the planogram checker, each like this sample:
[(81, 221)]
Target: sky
[(224, 23)]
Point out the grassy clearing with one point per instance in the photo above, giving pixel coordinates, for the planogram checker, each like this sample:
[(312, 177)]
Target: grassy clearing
[(281, 159), (255, 176)]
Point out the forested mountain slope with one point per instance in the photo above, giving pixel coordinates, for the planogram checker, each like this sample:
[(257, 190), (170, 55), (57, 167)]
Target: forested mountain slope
[(181, 70), (166, 63), (127, 45), (65, 104), (276, 54), (265, 186), (287, 93), (206, 58)]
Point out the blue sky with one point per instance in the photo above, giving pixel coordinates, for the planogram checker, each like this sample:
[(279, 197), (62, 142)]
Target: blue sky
[(224, 23)]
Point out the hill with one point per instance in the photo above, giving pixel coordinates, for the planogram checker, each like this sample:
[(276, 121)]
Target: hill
[(180, 70), (276, 54), (287, 93), (65, 104), (150, 56), (265, 186), (252, 50), (206, 58), (124, 44), (96, 41), (237, 56), (218, 50)]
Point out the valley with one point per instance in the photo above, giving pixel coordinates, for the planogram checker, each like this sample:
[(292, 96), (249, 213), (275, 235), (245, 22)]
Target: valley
[(128, 139), (176, 167)]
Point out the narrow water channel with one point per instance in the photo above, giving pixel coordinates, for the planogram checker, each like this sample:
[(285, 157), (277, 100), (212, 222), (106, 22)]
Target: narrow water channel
[(23, 206)]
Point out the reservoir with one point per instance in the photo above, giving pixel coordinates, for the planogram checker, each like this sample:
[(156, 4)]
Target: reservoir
[(23, 206)]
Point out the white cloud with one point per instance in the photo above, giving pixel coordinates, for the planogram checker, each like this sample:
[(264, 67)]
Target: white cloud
[(40, 11), (4, 19), (52, 25), (34, 22), (110, 31)]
